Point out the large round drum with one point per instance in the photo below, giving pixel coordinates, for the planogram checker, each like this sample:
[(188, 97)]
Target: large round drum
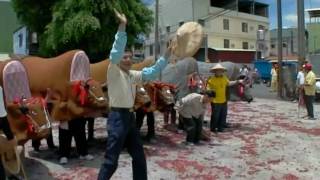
[(188, 40)]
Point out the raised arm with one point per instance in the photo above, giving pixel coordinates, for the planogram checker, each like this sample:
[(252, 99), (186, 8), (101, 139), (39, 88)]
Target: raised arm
[(120, 41), (232, 83), (151, 73)]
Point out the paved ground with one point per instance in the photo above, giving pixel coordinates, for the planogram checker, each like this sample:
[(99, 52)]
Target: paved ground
[(263, 92), (267, 141)]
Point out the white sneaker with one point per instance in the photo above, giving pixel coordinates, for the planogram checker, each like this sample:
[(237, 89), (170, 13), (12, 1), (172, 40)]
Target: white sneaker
[(189, 143), (63, 160), (87, 157)]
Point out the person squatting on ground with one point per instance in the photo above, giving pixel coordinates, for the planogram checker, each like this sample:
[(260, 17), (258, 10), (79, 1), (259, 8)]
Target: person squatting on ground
[(219, 107), (195, 85), (192, 108), (121, 128), (4, 126), (74, 128), (309, 90)]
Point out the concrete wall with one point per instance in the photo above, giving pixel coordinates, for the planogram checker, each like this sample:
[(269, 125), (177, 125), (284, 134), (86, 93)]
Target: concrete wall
[(289, 37), (314, 37), (315, 61)]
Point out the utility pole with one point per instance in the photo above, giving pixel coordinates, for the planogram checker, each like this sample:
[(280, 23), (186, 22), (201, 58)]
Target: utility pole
[(206, 59), (280, 77), (156, 34), (301, 32)]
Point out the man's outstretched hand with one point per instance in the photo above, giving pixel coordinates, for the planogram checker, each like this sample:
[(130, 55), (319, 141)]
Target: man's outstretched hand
[(121, 17)]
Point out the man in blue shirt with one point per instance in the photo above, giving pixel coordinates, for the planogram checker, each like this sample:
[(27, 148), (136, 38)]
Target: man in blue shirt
[(121, 83)]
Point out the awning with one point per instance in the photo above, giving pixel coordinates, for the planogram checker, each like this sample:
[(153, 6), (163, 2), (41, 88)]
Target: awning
[(314, 12)]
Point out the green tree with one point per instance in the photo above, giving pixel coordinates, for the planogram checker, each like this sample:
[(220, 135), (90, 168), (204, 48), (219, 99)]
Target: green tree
[(89, 25)]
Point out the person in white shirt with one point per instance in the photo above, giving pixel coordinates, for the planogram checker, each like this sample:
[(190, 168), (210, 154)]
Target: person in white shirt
[(192, 108), (121, 127), (274, 78), (300, 81), (300, 77), (244, 72)]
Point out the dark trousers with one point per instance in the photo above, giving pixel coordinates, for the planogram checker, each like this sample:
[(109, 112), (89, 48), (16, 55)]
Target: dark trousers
[(90, 121), (76, 130), (122, 132), (140, 114), (2, 171), (193, 127), (218, 116), (309, 105), (37, 142), (180, 123), (172, 113)]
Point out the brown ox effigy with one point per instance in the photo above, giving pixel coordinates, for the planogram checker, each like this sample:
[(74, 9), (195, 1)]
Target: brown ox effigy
[(161, 95), (29, 124), (70, 99), (28, 116)]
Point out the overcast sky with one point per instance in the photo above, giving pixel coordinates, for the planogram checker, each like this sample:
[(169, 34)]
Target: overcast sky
[(289, 11)]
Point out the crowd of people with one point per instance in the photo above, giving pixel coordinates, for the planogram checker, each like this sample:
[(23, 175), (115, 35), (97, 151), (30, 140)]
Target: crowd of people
[(305, 86), (191, 108), (124, 122)]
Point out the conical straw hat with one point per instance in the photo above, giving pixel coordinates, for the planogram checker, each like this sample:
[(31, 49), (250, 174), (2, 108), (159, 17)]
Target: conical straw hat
[(217, 67)]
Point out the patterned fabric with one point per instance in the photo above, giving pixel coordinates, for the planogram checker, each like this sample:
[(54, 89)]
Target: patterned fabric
[(80, 67), (15, 81)]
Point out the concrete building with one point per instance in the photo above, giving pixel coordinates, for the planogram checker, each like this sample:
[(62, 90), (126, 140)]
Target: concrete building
[(289, 44), (313, 28), (231, 28), (25, 42)]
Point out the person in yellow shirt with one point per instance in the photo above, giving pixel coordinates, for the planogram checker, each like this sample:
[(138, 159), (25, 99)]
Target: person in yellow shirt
[(219, 83), (309, 90)]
